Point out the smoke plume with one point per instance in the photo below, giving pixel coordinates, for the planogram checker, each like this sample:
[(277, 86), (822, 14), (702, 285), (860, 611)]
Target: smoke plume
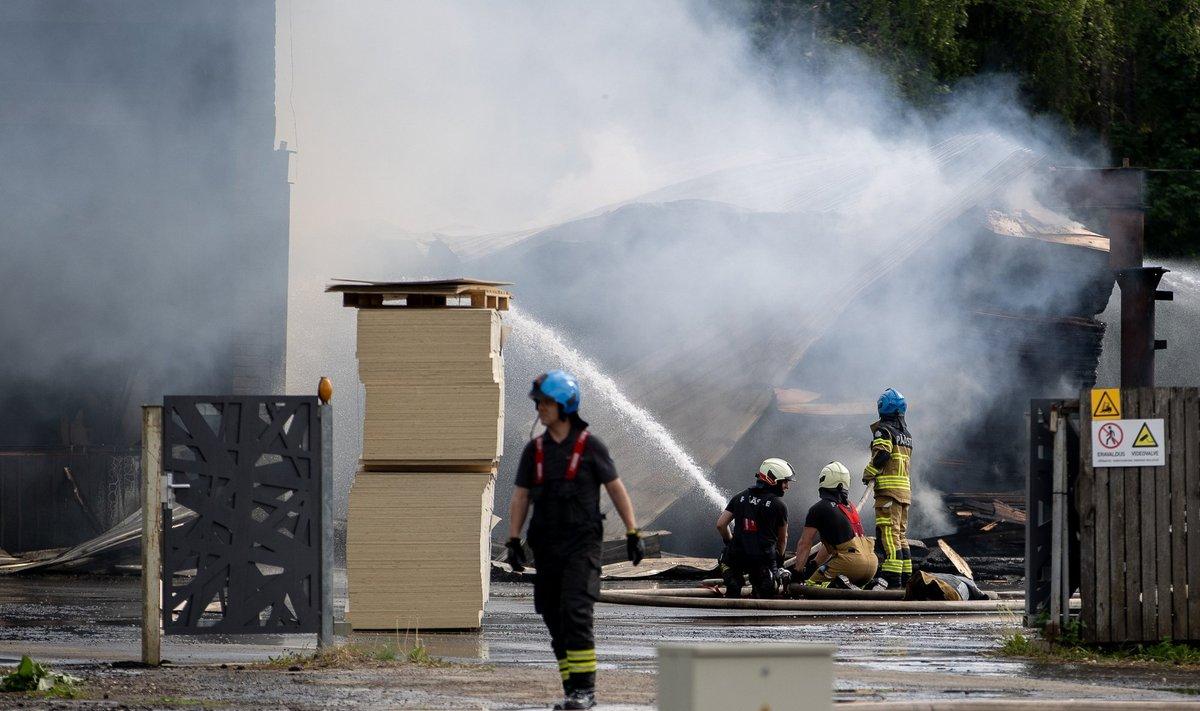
[(703, 225)]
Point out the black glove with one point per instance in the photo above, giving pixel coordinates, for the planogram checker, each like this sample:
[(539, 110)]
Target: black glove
[(516, 555), (635, 548)]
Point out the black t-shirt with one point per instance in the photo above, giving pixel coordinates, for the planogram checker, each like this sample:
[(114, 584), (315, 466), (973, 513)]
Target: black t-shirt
[(757, 516), (836, 521), (557, 500)]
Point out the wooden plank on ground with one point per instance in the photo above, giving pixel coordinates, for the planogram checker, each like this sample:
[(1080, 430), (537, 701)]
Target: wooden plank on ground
[(1177, 462), (1162, 514), (1147, 540), (956, 560), (1085, 504), (1191, 429)]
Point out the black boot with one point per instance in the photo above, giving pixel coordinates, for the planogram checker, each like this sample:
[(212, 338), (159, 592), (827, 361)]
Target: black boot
[(841, 582), (568, 688), (566, 682), (580, 699)]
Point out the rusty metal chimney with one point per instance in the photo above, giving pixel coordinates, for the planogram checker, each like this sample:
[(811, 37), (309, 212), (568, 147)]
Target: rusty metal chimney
[(1118, 194), (1120, 191)]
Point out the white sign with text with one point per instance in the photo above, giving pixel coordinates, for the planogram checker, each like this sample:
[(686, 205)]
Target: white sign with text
[(1129, 443)]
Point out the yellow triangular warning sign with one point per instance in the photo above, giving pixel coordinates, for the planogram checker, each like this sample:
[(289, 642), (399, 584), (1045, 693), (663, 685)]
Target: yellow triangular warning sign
[(1145, 438), (1104, 406)]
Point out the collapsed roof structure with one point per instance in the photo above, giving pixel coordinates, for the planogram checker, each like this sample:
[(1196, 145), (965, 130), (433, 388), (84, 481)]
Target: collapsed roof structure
[(758, 311)]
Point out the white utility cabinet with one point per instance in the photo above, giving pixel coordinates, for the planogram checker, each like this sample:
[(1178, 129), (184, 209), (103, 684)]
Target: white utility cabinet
[(755, 677)]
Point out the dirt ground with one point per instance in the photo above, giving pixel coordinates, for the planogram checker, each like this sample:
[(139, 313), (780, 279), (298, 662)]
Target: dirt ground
[(84, 625), (407, 686)]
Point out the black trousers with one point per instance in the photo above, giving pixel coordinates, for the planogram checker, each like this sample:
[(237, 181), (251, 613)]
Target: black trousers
[(565, 592), (759, 570)]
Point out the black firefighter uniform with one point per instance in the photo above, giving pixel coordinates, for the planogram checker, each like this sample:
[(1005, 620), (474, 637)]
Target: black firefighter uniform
[(565, 533)]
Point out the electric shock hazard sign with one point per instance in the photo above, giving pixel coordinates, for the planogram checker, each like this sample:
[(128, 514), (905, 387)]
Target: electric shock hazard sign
[(1129, 443)]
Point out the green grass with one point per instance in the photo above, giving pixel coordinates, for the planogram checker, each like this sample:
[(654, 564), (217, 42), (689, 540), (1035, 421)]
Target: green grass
[(59, 691), (355, 655), (1070, 648)]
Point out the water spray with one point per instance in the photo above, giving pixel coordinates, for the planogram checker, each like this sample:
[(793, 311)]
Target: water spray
[(607, 390)]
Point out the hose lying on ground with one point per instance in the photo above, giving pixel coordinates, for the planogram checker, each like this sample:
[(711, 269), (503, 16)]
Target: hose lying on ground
[(656, 598), (810, 593)]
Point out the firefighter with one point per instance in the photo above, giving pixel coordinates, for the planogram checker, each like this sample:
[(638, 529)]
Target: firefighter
[(560, 473), (891, 448), (755, 546), (844, 558)]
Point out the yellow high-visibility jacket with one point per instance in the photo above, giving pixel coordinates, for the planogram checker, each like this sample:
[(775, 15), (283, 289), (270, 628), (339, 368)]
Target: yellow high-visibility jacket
[(891, 451)]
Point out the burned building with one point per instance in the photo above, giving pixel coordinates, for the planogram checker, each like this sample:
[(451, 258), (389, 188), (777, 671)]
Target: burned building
[(144, 223), (759, 313)]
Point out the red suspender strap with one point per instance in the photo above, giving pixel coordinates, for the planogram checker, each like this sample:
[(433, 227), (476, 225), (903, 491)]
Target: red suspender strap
[(539, 458), (852, 515), (577, 455)]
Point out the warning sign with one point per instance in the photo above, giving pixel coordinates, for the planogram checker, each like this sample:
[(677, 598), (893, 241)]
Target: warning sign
[(1113, 445), (1106, 404), (1111, 435), (1145, 438)]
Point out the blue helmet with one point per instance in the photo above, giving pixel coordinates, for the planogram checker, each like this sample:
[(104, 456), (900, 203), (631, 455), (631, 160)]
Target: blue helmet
[(561, 387), (892, 403)]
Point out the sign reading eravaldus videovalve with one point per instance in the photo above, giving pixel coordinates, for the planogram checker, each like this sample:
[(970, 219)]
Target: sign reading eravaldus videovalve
[(1129, 443)]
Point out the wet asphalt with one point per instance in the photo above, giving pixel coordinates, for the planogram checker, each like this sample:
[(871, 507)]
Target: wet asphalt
[(69, 620)]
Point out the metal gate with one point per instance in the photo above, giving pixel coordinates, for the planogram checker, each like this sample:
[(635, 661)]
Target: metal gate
[(250, 468)]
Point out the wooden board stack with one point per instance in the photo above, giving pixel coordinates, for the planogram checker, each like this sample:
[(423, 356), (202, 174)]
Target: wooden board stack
[(419, 550), (434, 381), (420, 514)]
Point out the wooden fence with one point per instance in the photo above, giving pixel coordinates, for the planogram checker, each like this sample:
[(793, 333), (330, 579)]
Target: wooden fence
[(1140, 529)]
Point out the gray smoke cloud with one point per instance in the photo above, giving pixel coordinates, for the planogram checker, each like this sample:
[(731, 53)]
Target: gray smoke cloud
[(686, 215), (144, 218)]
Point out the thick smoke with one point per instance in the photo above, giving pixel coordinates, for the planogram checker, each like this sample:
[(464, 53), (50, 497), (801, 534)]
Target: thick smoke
[(701, 224), (144, 216)]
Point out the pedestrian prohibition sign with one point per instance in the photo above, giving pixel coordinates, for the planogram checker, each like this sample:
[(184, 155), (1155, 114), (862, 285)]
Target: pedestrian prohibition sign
[(1110, 436), (1129, 443)]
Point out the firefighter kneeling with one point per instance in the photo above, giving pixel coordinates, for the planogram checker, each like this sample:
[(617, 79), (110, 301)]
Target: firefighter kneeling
[(755, 546), (845, 558)]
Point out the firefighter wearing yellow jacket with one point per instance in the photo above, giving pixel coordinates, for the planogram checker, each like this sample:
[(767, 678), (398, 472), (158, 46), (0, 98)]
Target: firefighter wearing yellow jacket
[(891, 449)]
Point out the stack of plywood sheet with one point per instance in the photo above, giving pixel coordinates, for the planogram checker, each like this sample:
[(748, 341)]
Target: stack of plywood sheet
[(434, 381), (419, 549), (420, 515)]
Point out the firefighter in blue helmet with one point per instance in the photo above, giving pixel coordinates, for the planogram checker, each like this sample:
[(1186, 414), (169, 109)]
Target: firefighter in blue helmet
[(891, 449), (561, 473)]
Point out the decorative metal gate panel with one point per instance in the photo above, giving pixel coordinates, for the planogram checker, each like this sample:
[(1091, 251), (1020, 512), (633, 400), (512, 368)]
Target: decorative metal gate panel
[(250, 468)]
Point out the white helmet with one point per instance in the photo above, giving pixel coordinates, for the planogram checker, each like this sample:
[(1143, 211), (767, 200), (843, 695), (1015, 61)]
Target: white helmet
[(833, 475), (774, 470)]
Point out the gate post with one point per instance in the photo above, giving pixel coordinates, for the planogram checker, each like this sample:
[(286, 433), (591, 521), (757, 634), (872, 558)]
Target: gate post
[(325, 638), (152, 534), (1060, 563)]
